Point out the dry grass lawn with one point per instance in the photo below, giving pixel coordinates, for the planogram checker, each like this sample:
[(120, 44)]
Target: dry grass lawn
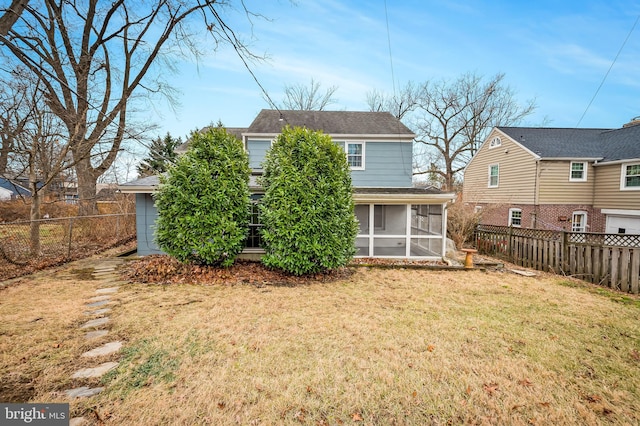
[(407, 347)]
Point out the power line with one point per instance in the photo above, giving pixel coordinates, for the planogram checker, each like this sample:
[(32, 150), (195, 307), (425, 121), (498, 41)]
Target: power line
[(608, 71), (393, 78)]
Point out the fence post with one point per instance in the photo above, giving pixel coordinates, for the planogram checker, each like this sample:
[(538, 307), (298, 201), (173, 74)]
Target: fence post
[(510, 244), (564, 249), (70, 235)]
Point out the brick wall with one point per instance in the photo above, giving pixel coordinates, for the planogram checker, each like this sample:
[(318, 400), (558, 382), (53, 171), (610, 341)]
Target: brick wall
[(551, 216)]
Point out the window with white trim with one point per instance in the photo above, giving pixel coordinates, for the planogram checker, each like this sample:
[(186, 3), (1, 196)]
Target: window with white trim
[(355, 155), (578, 172), (630, 179), (495, 142), (579, 221), (515, 217), (494, 172)]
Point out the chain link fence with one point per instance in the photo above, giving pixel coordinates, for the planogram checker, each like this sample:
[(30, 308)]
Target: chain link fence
[(58, 240)]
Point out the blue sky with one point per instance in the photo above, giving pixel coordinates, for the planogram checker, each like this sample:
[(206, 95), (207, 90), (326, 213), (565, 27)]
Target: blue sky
[(557, 52)]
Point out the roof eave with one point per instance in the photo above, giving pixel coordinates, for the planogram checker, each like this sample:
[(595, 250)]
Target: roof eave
[(408, 136), (404, 198), (137, 189), (614, 162)]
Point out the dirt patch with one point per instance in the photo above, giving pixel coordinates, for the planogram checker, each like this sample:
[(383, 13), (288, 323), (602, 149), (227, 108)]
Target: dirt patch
[(162, 269), (16, 388)]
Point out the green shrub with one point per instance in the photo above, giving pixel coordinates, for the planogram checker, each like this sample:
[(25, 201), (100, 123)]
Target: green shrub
[(203, 201), (307, 211)]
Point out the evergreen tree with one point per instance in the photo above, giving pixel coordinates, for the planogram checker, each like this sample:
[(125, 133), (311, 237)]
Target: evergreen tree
[(203, 201), (161, 155), (307, 211)]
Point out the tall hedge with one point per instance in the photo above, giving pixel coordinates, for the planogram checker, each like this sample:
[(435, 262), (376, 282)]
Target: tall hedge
[(203, 201), (307, 210)]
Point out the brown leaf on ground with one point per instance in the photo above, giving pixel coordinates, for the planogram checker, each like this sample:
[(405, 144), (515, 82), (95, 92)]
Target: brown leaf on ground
[(356, 417), (635, 355), (593, 398), (431, 348), (162, 269), (525, 382), (490, 388)]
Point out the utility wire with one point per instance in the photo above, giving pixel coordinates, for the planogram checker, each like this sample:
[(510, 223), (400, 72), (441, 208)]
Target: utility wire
[(608, 71), (393, 78)]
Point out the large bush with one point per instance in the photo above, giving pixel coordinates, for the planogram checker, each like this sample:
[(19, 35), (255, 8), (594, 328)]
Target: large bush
[(307, 209), (203, 201)]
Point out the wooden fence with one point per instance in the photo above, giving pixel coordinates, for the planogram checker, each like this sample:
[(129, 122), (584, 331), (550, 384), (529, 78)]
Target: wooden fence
[(611, 260)]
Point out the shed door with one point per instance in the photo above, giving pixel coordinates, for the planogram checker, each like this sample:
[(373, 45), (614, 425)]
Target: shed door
[(623, 225)]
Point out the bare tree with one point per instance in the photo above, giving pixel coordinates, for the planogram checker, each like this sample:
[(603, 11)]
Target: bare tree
[(93, 58), (11, 14), (308, 98), (33, 136), (453, 118), (398, 104), (13, 119)]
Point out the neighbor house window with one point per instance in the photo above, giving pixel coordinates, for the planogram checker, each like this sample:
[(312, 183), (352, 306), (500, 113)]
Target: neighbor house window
[(630, 177), (578, 171), (355, 155), (494, 171), (495, 142), (579, 222), (515, 217)]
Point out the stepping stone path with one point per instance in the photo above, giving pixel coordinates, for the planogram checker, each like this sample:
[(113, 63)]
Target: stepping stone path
[(106, 349), (98, 371), (95, 307)]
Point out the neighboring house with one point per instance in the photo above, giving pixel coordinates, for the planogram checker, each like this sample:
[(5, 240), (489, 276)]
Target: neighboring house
[(396, 219), (10, 190), (581, 180)]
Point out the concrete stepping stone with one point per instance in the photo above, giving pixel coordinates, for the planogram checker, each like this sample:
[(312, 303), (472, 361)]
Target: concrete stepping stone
[(95, 322), (78, 421), (99, 298), (99, 303), (107, 290), (95, 334), (83, 392), (98, 371), (98, 311), (106, 349)]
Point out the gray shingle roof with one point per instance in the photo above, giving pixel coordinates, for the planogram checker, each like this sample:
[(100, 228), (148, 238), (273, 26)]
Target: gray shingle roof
[(621, 144), (605, 144), (235, 131), (14, 187), (331, 122)]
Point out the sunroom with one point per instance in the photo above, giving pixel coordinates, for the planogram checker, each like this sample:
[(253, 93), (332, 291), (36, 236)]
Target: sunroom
[(401, 222)]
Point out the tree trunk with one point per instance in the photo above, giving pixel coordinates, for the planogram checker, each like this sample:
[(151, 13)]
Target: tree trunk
[(85, 174)]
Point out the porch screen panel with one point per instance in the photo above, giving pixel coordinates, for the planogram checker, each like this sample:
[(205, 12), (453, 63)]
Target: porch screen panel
[(390, 220), (362, 214), (426, 247), (362, 246), (426, 219), (390, 247)]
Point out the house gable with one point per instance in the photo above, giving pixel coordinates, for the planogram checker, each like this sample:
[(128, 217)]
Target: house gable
[(515, 165)]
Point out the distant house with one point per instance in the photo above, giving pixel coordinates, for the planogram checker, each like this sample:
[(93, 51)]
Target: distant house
[(10, 190), (396, 219), (582, 180)]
